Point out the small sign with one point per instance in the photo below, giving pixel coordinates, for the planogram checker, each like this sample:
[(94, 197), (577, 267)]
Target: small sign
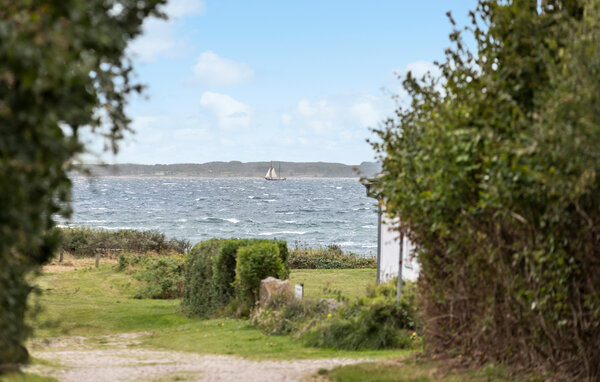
[(299, 291)]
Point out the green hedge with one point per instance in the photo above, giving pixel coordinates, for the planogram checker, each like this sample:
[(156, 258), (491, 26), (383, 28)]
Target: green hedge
[(255, 263), (83, 242), (210, 273), (200, 297)]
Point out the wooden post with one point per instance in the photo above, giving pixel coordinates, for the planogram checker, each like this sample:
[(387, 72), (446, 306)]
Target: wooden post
[(97, 258), (60, 257), (400, 264)]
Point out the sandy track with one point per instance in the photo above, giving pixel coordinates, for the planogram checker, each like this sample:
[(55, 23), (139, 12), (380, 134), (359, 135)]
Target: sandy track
[(120, 358)]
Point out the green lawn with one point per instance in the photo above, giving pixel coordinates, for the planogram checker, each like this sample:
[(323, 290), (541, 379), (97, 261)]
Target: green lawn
[(411, 371), (350, 282), (98, 301)]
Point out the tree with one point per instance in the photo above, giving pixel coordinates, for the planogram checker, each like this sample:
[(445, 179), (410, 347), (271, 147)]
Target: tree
[(63, 73), (494, 169)]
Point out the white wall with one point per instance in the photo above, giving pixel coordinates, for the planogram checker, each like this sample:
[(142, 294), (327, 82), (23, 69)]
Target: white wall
[(390, 253)]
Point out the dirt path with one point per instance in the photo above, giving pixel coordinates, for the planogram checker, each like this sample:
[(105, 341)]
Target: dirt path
[(120, 358)]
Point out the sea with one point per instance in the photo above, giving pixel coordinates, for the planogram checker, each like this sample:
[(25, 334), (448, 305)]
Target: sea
[(306, 212)]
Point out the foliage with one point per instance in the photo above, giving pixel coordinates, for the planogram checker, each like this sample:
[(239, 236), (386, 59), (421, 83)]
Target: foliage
[(375, 321), (330, 257), (285, 315), (86, 241), (493, 169), (200, 297), (63, 75), (211, 274), (253, 264), (162, 276), (225, 263)]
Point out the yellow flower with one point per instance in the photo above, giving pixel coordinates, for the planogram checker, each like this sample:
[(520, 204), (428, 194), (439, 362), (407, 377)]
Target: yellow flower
[(328, 315), (414, 334), (222, 324)]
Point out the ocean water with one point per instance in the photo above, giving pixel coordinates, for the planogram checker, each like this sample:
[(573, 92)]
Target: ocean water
[(306, 212)]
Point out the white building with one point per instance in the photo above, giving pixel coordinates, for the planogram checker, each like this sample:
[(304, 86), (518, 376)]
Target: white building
[(393, 250)]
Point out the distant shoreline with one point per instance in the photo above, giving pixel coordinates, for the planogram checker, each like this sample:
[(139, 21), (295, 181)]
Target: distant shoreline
[(234, 169)]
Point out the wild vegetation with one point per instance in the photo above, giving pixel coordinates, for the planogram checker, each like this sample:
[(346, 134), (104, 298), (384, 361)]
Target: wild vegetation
[(493, 170), (372, 321), (62, 62), (82, 241), (162, 276), (330, 257)]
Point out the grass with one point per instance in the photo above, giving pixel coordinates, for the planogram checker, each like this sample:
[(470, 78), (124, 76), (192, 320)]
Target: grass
[(94, 302), (411, 371), (350, 282), (26, 377)]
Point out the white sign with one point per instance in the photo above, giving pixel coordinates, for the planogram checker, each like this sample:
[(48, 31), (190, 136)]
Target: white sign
[(299, 291)]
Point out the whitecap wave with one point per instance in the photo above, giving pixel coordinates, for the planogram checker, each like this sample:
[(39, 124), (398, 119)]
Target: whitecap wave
[(282, 233)]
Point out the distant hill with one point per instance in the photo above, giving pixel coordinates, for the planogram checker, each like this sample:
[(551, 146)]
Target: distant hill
[(238, 169)]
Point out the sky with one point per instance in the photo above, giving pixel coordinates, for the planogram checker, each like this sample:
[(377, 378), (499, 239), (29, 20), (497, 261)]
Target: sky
[(291, 80)]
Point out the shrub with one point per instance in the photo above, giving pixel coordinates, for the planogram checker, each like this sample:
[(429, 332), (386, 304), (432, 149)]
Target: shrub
[(127, 261), (164, 277), (331, 257), (255, 263), (86, 241), (224, 266), (200, 297), (376, 321), (211, 275), (288, 315)]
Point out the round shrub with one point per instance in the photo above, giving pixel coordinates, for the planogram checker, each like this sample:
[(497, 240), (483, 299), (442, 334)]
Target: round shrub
[(255, 263)]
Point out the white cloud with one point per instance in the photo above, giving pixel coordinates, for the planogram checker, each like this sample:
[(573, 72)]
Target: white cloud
[(190, 133), (315, 109), (365, 113), (180, 8), (158, 37), (214, 70), (229, 111), (286, 119)]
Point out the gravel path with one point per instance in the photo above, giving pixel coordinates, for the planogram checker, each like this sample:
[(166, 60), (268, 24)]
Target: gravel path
[(120, 358)]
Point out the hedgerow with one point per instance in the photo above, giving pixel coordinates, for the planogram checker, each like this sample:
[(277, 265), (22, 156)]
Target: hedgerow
[(83, 242), (330, 257), (214, 278), (493, 170)]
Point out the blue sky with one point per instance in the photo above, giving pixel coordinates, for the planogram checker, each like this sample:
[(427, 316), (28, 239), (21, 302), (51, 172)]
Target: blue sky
[(284, 80)]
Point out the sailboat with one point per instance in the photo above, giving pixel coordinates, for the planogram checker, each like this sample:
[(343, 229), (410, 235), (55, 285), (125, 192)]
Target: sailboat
[(272, 174)]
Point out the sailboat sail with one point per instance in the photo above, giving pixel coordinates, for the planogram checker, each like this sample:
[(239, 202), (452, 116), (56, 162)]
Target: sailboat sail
[(272, 174)]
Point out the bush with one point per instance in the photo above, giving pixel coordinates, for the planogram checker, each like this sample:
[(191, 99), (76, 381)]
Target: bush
[(86, 242), (164, 277), (288, 315), (128, 261), (331, 257), (255, 263), (200, 297), (494, 172), (376, 321), (211, 275)]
